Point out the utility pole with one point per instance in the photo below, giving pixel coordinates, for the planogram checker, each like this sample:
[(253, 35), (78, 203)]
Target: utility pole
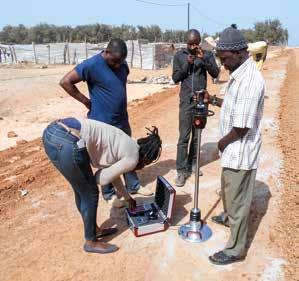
[(188, 16)]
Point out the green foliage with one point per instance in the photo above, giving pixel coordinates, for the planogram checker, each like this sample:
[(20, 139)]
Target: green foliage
[(270, 30), (93, 33)]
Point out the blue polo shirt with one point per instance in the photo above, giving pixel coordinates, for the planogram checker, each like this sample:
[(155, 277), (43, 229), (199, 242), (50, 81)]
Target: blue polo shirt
[(107, 91)]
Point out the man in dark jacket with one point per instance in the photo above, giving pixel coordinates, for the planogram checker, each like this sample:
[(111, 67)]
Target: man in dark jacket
[(190, 67)]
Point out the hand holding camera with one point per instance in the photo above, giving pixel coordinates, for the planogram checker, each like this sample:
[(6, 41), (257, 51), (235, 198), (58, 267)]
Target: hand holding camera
[(194, 53)]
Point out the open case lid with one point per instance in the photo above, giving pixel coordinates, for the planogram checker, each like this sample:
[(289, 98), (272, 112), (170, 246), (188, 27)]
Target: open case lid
[(164, 196)]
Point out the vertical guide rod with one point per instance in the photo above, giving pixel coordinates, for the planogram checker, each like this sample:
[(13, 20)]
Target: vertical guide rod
[(197, 169)]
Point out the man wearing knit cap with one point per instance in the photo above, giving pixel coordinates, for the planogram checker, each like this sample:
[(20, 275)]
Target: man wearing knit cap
[(240, 143)]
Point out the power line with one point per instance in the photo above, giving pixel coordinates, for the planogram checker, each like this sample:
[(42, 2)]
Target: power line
[(207, 17), (161, 4), (169, 5)]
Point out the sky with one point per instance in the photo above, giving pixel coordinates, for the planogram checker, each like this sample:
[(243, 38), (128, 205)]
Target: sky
[(207, 16)]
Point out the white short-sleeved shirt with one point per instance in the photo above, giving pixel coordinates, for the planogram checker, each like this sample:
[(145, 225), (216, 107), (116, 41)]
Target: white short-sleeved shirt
[(243, 108)]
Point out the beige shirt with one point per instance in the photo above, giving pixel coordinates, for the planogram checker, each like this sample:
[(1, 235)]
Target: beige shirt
[(242, 107), (110, 150)]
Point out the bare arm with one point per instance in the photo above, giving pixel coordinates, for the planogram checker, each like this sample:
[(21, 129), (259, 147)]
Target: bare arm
[(108, 175), (112, 174), (68, 84), (232, 136)]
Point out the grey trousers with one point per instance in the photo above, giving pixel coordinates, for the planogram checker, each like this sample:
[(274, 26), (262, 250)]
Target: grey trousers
[(237, 188)]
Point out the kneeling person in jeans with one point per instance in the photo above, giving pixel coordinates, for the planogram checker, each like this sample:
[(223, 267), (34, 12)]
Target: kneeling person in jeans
[(73, 144)]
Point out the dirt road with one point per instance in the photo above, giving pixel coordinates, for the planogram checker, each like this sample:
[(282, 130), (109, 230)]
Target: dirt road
[(41, 233), (288, 140), (30, 97)]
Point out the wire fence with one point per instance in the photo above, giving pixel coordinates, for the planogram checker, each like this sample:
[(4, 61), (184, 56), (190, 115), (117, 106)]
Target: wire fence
[(141, 54)]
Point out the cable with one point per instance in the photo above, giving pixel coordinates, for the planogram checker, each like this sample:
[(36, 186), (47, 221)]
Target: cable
[(161, 4), (207, 17)]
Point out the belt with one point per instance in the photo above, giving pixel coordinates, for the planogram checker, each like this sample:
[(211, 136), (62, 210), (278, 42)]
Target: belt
[(74, 132)]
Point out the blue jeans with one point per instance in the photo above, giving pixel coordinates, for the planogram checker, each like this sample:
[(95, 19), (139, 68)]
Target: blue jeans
[(131, 180), (74, 164)]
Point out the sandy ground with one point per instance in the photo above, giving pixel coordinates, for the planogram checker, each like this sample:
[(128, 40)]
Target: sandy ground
[(41, 233), (288, 140), (30, 98)]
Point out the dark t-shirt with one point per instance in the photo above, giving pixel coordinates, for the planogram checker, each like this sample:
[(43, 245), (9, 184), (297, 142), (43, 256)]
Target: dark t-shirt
[(107, 91)]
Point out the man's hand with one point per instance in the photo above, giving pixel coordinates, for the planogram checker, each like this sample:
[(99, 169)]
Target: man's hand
[(200, 53), (191, 59), (131, 202)]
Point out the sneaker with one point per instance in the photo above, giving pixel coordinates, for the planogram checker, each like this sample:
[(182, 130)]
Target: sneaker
[(180, 180)]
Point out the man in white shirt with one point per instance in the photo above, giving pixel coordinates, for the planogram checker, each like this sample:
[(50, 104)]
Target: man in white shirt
[(240, 126)]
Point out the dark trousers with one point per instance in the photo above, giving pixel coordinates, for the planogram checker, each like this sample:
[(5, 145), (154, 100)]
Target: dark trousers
[(74, 164), (187, 143)]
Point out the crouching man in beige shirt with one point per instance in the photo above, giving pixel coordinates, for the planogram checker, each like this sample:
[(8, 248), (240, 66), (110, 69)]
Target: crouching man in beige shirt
[(73, 144)]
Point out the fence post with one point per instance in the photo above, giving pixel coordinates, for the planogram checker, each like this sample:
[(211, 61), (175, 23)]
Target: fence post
[(140, 52), (75, 57), (64, 53), (15, 54), (154, 56), (4, 53), (132, 54), (86, 51), (49, 54), (11, 54), (68, 53), (34, 52)]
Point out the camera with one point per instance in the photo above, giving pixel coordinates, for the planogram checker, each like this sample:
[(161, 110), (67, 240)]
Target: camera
[(193, 52)]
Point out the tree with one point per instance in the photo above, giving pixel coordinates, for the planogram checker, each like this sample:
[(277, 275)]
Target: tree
[(272, 31)]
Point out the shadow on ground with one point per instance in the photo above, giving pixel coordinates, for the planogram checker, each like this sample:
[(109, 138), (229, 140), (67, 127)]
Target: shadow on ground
[(258, 209), (209, 153)]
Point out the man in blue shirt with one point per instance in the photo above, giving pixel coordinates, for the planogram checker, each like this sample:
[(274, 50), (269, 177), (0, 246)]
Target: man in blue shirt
[(106, 76)]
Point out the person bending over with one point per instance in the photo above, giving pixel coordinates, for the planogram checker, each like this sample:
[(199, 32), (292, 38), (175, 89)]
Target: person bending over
[(73, 145)]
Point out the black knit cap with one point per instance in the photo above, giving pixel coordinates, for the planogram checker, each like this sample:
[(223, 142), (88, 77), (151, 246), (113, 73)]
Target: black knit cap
[(231, 39)]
